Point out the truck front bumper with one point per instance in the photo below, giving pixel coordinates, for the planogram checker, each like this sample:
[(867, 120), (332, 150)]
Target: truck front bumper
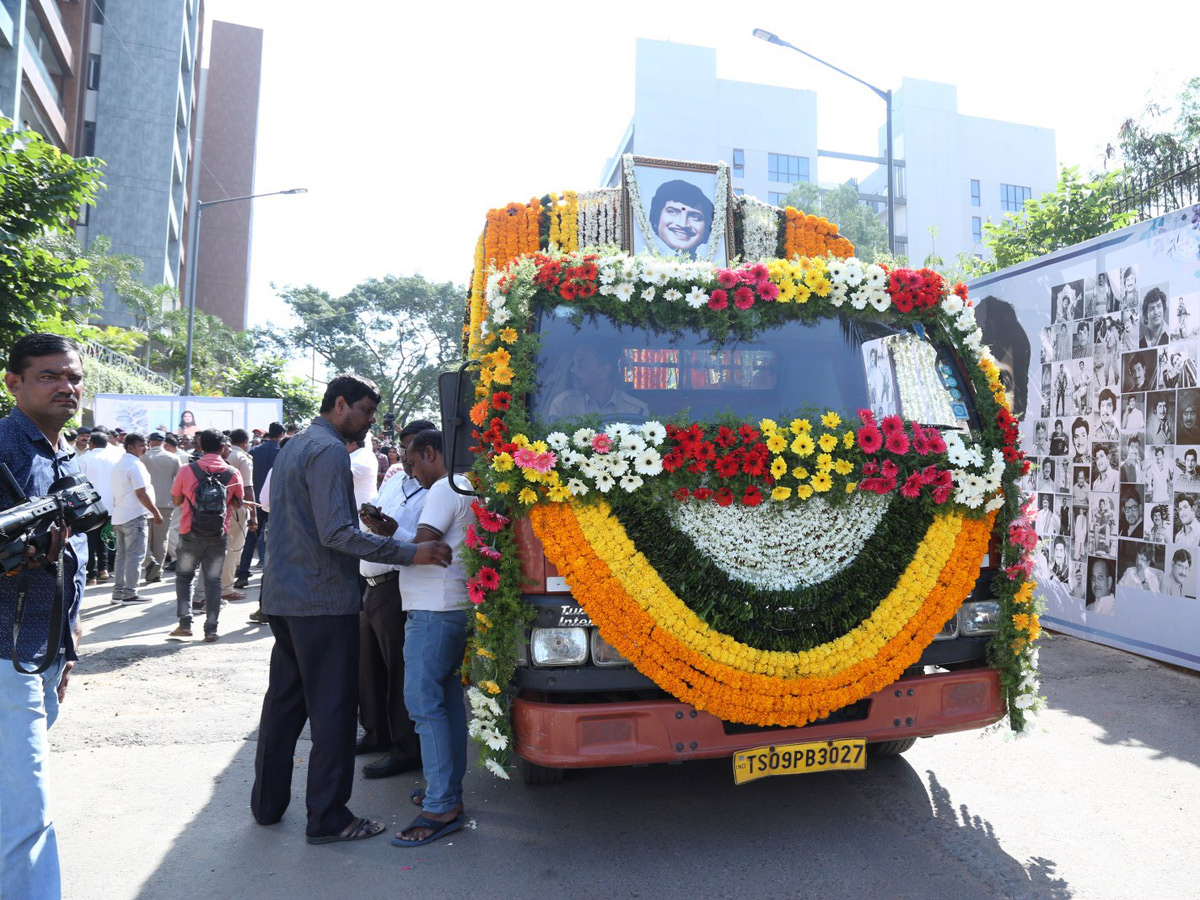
[(592, 735)]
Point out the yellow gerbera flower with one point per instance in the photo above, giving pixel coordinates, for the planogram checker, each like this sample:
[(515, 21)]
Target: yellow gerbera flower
[(508, 335), (831, 420), (776, 443), (821, 482), (824, 462), (827, 442), (800, 473), (528, 496), (502, 487), (502, 462), (804, 492), (781, 493), (801, 426), (803, 446), (768, 426), (843, 466), (848, 439), (779, 467)]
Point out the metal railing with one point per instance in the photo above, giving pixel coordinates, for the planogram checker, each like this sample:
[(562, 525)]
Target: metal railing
[(128, 364), (1173, 187)]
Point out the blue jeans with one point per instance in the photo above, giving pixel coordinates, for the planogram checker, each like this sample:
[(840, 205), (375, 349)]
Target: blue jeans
[(28, 845), (434, 643), (131, 550), (208, 555)]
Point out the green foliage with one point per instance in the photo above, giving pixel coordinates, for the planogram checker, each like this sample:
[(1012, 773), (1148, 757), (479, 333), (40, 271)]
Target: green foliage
[(1150, 149), (1075, 211), (265, 378), (402, 332), (218, 352), (856, 221), (41, 190)]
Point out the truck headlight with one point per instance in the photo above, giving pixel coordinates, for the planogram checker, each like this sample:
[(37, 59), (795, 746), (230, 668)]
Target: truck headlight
[(979, 617), (558, 646), (604, 653)]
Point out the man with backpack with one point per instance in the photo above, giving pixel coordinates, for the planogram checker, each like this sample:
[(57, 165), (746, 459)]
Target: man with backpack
[(206, 491)]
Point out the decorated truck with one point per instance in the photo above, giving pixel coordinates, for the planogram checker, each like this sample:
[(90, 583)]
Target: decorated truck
[(737, 493)]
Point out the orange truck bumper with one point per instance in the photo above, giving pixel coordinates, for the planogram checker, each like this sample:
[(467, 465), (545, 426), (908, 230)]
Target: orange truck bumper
[(593, 735)]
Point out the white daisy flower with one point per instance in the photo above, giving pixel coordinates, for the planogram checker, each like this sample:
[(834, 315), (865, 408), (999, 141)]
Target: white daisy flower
[(631, 482), (654, 432), (648, 294), (648, 462), (576, 487), (500, 316), (672, 294), (583, 438), (624, 291), (495, 768), (696, 297), (632, 445), (604, 482), (558, 440)]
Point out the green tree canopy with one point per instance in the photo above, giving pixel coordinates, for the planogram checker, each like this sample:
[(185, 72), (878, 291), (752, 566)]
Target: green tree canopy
[(1075, 211), (41, 190), (265, 378), (402, 332), (856, 221)]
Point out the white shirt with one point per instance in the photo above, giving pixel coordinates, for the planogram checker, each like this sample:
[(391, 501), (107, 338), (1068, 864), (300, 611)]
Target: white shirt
[(98, 464), (403, 499), (433, 587), (364, 469), (127, 476)]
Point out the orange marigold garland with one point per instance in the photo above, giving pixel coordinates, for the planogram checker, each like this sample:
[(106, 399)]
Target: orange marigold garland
[(813, 236)]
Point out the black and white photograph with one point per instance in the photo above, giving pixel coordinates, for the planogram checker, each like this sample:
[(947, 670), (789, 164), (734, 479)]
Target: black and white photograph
[(1187, 529), (1101, 585), (1160, 418), (1103, 516), (1138, 370), (1159, 527), (1180, 571), (1127, 286), (1177, 365), (1066, 301), (1140, 565), (1155, 318), (881, 379), (1132, 521), (1185, 316), (1187, 423)]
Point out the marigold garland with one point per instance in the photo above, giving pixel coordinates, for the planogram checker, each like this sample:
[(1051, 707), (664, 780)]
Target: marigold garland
[(809, 236), (728, 692)]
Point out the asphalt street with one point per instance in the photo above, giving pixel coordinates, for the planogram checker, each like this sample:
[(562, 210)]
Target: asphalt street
[(152, 767)]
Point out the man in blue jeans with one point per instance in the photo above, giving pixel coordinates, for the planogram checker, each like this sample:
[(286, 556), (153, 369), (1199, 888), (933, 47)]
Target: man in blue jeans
[(435, 638), (45, 376), (202, 542)]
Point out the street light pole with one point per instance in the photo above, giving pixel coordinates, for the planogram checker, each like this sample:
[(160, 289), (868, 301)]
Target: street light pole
[(886, 96), (190, 287)]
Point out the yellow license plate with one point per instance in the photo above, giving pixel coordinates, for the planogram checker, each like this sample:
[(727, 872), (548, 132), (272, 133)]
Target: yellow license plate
[(796, 759)]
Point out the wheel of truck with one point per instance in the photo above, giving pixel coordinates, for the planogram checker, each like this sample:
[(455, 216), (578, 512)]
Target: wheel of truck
[(532, 773), (890, 748)]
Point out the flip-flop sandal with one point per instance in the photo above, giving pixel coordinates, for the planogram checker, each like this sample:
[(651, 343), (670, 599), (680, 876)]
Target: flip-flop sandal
[(437, 829), (358, 830)]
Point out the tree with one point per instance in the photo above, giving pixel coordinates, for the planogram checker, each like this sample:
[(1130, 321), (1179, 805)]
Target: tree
[(218, 351), (856, 221), (1075, 211), (1148, 151), (41, 190), (265, 378), (402, 332)]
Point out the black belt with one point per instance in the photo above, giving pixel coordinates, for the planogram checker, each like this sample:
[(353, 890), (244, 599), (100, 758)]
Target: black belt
[(376, 580)]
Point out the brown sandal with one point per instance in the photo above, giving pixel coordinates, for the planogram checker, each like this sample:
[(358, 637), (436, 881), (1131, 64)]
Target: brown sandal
[(358, 830)]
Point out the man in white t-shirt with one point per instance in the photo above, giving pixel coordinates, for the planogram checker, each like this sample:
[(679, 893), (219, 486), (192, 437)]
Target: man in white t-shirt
[(97, 465), (435, 639), (364, 470), (133, 503)]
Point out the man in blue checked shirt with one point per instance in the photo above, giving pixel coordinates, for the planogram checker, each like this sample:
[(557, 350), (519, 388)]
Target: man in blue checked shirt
[(45, 376)]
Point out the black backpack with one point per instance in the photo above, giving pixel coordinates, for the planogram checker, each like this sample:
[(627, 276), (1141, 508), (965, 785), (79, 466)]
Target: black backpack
[(208, 505)]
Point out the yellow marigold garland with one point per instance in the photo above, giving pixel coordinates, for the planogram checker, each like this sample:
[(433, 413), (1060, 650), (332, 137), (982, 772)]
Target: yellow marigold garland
[(731, 693), (807, 235)]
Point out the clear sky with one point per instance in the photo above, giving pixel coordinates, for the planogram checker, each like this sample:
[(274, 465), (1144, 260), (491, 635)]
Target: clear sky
[(408, 121)]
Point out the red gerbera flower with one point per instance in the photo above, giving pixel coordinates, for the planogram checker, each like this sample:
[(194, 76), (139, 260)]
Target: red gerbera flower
[(682, 494), (702, 493), (897, 442), (869, 439), (752, 497), (474, 591), (489, 578), (743, 297), (724, 496), (911, 487), (501, 400), (727, 278), (718, 299)]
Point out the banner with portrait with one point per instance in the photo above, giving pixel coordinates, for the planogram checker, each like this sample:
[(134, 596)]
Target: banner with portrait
[(1108, 333), (184, 416)]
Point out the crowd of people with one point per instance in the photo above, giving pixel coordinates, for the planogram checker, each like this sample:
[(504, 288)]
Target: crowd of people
[(363, 591)]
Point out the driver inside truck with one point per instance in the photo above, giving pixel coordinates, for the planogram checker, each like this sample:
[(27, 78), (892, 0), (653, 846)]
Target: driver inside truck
[(595, 391)]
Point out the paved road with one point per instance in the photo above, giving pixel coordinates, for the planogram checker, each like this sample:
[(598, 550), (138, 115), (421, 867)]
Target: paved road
[(152, 770)]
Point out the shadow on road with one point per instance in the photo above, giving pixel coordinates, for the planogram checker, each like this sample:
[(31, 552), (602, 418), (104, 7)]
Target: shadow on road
[(1137, 702), (661, 832)]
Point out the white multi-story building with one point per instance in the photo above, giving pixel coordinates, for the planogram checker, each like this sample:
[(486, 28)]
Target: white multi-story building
[(953, 172)]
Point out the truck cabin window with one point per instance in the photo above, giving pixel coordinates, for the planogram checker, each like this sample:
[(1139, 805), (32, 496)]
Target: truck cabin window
[(600, 369)]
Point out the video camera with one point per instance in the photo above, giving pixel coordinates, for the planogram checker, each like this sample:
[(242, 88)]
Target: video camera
[(72, 501)]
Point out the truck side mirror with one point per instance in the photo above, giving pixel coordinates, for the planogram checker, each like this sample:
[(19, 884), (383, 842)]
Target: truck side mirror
[(456, 393)]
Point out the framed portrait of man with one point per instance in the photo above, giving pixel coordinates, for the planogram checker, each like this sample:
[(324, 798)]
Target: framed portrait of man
[(679, 201)]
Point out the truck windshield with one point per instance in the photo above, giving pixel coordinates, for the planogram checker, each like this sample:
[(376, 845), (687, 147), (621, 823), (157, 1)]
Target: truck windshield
[(633, 374)]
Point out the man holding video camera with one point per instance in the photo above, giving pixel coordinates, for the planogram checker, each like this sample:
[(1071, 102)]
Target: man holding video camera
[(45, 376)]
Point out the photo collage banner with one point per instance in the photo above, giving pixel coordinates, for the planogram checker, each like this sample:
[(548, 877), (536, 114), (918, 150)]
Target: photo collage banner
[(1111, 424)]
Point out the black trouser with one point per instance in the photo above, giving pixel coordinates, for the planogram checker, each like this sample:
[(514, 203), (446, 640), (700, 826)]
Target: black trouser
[(252, 541), (313, 677), (381, 707), (100, 557)]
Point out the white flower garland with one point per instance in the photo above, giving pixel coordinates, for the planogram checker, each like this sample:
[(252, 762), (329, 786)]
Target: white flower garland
[(792, 546), (760, 229)]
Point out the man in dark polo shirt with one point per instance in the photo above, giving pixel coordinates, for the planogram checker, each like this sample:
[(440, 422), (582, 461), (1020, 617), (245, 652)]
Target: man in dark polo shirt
[(263, 457)]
